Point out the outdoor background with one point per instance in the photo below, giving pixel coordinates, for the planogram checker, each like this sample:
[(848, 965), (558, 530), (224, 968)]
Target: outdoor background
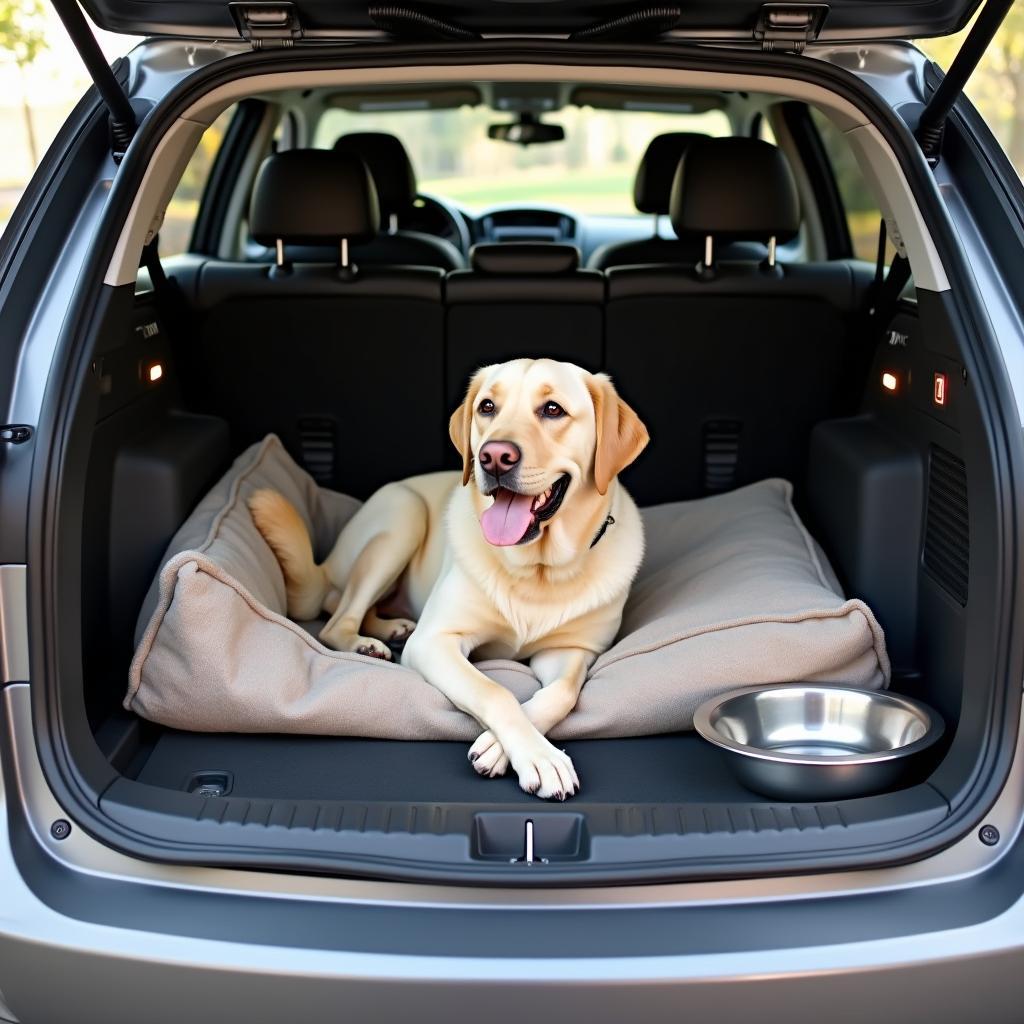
[(42, 77)]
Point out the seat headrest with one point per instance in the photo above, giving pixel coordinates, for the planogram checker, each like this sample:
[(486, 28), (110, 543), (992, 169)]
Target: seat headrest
[(524, 258), (390, 167), (735, 189), (313, 197), (652, 186)]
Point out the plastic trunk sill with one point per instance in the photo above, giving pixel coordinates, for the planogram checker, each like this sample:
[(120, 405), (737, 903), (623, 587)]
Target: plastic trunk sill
[(615, 842)]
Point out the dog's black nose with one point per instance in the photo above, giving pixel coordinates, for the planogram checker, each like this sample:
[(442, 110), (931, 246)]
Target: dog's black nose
[(497, 457)]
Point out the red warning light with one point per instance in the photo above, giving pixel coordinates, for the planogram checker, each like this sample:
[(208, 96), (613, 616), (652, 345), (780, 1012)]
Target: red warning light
[(939, 391)]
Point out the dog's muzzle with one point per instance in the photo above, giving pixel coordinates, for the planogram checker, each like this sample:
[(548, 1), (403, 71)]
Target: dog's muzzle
[(515, 517)]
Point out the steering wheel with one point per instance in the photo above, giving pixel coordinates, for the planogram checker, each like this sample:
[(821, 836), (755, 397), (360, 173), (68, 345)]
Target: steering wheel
[(434, 217)]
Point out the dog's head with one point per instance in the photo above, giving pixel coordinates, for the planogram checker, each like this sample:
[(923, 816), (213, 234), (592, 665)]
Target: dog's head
[(544, 440)]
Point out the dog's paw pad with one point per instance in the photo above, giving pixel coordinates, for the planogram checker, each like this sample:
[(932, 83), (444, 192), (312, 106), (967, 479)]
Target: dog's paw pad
[(373, 650)]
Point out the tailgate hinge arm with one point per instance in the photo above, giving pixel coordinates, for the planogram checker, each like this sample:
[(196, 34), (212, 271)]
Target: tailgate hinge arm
[(788, 28), (932, 122), (123, 121), (267, 26)]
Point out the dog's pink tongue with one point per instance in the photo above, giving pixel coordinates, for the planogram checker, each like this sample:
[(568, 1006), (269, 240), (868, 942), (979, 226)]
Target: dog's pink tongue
[(508, 519)]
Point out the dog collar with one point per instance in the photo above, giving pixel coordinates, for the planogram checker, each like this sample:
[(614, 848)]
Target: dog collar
[(610, 521)]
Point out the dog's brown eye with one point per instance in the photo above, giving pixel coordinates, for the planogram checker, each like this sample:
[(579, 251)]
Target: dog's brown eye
[(486, 408), (552, 411)]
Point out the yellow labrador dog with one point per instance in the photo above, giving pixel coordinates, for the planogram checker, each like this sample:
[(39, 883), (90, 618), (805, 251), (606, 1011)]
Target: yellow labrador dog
[(532, 562)]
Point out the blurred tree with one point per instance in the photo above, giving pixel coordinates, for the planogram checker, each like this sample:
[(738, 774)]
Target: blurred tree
[(997, 86), (22, 37)]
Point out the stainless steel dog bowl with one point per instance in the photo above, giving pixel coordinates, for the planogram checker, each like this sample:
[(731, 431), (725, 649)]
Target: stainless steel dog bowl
[(795, 742)]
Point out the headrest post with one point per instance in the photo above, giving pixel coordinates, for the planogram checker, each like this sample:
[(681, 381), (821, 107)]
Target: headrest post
[(393, 224), (346, 269), (280, 267), (657, 221), (706, 268), (771, 251)]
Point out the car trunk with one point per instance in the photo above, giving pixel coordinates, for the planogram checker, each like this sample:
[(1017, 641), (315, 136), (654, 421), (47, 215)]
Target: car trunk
[(902, 492), (651, 806)]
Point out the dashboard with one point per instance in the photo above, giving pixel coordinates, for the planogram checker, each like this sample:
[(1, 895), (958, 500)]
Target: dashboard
[(525, 225), (464, 228)]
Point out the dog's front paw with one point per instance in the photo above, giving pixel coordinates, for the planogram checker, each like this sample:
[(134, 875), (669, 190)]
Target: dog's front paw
[(487, 756), (544, 770)]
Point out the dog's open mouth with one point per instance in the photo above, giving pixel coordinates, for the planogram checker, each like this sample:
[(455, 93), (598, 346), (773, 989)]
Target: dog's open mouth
[(515, 518)]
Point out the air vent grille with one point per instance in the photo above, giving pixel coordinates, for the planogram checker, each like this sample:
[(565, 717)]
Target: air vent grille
[(721, 454), (946, 539), (317, 438)]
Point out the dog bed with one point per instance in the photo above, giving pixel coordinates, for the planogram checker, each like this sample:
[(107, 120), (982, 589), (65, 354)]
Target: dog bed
[(733, 591)]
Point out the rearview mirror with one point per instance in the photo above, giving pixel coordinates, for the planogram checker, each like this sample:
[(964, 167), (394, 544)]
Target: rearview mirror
[(527, 131)]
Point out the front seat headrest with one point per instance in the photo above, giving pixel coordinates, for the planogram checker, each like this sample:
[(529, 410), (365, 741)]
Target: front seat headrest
[(313, 197), (735, 189), (652, 186), (390, 167)]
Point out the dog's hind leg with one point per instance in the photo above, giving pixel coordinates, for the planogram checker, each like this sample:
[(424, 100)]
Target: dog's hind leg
[(391, 631), (373, 551), (286, 532)]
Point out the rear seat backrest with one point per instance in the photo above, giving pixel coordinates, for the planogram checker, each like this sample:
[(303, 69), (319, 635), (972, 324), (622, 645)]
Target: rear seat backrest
[(344, 363), (521, 299), (732, 364)]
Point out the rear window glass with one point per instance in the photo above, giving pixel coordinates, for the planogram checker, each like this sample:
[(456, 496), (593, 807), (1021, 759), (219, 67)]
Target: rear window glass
[(863, 216), (176, 231)]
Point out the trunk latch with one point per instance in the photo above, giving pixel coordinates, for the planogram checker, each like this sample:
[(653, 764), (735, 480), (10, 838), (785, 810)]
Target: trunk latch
[(516, 838), (789, 27), (15, 433), (267, 25), (528, 854)]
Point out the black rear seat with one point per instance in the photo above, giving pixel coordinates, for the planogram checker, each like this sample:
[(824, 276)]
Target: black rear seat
[(358, 369), (344, 363), (731, 364), (521, 299)]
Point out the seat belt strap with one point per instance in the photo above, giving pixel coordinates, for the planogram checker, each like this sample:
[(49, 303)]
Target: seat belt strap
[(886, 298), (880, 257), (880, 307), (170, 302)]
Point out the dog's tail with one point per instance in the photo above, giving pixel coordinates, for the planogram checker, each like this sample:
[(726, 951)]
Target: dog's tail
[(285, 531)]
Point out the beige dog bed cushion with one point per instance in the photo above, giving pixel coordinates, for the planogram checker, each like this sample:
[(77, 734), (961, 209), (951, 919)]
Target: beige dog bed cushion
[(733, 591)]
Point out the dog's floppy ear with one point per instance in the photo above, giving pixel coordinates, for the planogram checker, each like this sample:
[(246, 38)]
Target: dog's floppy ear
[(621, 435), (461, 424)]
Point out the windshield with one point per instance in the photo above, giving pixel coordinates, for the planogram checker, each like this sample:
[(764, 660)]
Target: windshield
[(591, 171)]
